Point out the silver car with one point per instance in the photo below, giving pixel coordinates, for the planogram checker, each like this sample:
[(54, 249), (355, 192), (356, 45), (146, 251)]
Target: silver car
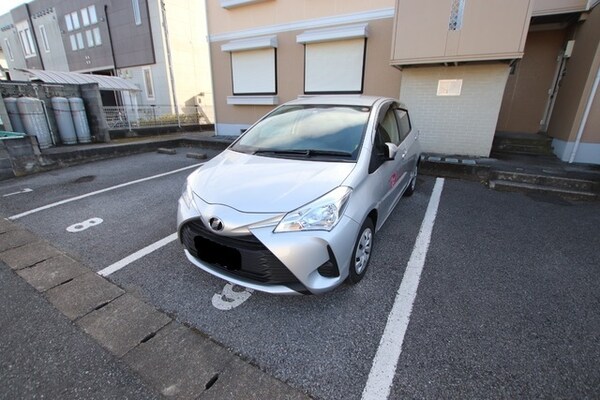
[(293, 205)]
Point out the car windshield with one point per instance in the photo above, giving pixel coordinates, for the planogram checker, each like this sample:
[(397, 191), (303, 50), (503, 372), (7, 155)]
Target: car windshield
[(308, 131)]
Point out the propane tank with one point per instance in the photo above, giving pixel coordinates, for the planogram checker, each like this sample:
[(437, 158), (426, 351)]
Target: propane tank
[(80, 120), (64, 120), (34, 120), (13, 114)]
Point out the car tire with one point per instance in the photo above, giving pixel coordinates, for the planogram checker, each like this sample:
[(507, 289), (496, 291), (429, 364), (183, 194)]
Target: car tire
[(361, 255), (412, 185)]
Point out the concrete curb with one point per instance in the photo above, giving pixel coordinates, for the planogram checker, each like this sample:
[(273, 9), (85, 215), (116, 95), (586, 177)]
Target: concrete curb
[(80, 156), (178, 361), (579, 185), (60, 157), (458, 170)]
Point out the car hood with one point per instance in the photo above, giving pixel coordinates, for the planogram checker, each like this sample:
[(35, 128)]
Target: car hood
[(257, 184)]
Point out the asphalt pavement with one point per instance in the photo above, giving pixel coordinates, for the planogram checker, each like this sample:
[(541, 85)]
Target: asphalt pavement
[(508, 301), (506, 306)]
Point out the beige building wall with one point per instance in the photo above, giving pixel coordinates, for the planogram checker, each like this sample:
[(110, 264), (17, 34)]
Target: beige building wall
[(550, 7), (379, 77), (526, 95), (574, 94), (578, 79), (460, 125), (591, 132), (486, 30), (232, 119), (281, 12)]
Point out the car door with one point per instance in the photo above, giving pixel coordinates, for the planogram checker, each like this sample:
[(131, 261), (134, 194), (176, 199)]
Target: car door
[(409, 150), (390, 175)]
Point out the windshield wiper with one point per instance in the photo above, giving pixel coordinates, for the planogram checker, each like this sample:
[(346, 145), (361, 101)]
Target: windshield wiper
[(336, 153), (276, 151), (305, 152)]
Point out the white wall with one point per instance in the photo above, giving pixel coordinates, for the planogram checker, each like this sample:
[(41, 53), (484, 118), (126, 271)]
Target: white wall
[(160, 75), (457, 125), (587, 153), (189, 51), (56, 58), (15, 45), (3, 64)]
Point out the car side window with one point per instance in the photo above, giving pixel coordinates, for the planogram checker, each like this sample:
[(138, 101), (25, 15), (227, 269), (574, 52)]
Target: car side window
[(386, 132), (390, 125), (403, 123)]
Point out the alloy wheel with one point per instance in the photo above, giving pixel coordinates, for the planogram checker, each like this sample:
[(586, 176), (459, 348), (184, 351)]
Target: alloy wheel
[(363, 251)]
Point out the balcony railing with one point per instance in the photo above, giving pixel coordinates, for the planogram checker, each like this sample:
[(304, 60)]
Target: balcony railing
[(130, 117)]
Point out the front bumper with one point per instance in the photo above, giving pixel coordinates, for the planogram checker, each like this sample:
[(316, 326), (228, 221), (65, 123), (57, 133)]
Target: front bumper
[(248, 253)]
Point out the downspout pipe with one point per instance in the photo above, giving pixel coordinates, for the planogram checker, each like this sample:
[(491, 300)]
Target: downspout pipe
[(169, 60), (110, 41), (586, 114)]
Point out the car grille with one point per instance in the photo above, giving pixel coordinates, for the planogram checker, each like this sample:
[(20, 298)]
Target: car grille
[(243, 256)]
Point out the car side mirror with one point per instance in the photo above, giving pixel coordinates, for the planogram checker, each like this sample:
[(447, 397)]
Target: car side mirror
[(392, 150)]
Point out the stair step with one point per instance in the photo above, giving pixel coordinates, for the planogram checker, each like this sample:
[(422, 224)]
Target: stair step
[(548, 181), (543, 141), (510, 186), (526, 139), (524, 144), (523, 149)]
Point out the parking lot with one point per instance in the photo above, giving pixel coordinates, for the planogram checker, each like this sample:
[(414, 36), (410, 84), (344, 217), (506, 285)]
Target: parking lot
[(506, 305)]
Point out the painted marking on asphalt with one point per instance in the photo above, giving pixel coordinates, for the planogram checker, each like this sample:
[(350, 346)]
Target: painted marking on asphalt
[(108, 189), (137, 255), (383, 370), (26, 190), (230, 297), (82, 226)]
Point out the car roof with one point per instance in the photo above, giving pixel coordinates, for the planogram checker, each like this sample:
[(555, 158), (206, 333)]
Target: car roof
[(346, 100)]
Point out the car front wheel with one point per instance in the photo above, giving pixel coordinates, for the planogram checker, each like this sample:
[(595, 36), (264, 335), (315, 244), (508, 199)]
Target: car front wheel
[(362, 252)]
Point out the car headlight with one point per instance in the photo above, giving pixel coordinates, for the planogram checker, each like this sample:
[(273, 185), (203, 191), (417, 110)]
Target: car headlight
[(322, 214), (187, 195)]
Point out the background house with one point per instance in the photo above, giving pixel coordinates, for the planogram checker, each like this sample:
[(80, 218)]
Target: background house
[(158, 45), (466, 69)]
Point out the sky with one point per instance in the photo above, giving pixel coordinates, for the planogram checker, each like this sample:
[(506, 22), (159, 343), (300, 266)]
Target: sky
[(7, 5)]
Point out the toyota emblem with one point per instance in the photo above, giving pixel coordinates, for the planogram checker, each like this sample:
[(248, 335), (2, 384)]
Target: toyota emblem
[(216, 224)]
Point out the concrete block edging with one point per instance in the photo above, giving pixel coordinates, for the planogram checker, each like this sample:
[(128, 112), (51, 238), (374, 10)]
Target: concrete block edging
[(133, 331)]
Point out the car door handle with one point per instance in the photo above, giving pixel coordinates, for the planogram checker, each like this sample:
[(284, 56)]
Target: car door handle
[(404, 153)]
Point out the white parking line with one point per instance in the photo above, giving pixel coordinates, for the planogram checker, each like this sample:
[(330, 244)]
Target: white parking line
[(83, 196), (26, 190), (137, 255), (383, 370)]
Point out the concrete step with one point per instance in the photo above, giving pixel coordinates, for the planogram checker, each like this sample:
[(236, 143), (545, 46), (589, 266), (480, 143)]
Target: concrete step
[(510, 186), (526, 139), (534, 149), (553, 181), (522, 144)]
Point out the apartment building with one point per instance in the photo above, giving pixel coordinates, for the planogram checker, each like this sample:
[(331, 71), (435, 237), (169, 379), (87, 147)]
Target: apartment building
[(3, 64), (465, 68), (158, 45)]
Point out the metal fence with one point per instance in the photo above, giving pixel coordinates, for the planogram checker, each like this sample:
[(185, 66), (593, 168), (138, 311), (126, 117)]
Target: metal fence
[(130, 117)]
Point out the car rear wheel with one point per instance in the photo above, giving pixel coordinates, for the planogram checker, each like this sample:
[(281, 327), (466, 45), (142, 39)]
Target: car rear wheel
[(362, 252), (413, 183)]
